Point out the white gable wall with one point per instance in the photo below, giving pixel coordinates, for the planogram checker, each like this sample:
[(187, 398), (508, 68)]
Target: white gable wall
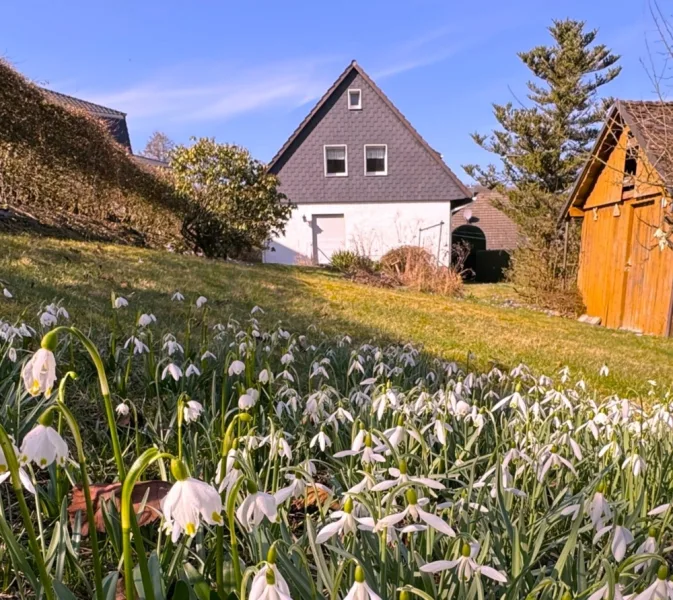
[(371, 228)]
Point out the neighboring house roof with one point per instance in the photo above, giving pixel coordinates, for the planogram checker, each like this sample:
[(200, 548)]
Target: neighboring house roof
[(501, 232), (150, 162), (114, 120), (651, 123), (459, 191)]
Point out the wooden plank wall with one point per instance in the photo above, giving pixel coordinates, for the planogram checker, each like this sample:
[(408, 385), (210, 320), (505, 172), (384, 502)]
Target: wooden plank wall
[(624, 278)]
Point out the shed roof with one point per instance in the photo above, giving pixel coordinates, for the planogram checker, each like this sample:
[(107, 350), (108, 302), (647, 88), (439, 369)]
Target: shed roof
[(651, 123)]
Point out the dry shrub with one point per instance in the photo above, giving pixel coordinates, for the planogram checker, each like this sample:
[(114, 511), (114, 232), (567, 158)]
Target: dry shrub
[(55, 160), (415, 268)]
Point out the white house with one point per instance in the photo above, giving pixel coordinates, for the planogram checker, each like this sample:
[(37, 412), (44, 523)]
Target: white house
[(362, 178)]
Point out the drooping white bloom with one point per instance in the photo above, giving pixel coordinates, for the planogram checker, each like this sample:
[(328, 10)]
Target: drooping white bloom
[(661, 589), (200, 301), (172, 346), (188, 501), (599, 510), (401, 477), (263, 376), (636, 462), (121, 302), (47, 319), (297, 488), (255, 507), (269, 584), (321, 439), (621, 538), (236, 368), (173, 370), (177, 297), (649, 546), (6, 293), (39, 373), (249, 399), (5, 474), (416, 513), (604, 593), (11, 354), (146, 319), (466, 566), (192, 369), (208, 354), (360, 590), (43, 446), (192, 411), (604, 371), (343, 523), (139, 347), (122, 409)]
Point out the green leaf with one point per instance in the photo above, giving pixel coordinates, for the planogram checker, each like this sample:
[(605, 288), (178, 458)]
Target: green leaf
[(62, 592), (197, 581), (18, 556), (110, 585), (181, 591)]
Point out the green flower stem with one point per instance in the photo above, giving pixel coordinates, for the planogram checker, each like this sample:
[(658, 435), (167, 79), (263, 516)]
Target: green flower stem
[(128, 522), (231, 516), (13, 466), (81, 458)]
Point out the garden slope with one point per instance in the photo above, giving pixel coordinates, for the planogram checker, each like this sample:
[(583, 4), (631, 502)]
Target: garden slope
[(41, 270)]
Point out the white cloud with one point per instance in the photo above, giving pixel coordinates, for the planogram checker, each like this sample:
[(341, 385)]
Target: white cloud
[(205, 92)]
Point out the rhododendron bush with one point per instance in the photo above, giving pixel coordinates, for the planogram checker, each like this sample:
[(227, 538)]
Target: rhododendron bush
[(206, 458)]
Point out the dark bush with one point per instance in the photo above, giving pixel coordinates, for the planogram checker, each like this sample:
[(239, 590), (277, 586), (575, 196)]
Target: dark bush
[(348, 261)]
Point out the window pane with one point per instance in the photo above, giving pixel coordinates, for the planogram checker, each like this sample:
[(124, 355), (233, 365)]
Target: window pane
[(376, 159), (336, 166), (336, 153), (354, 98)]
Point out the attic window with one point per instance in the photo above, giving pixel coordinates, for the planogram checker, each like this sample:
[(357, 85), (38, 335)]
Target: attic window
[(335, 161), (354, 99), (630, 164)]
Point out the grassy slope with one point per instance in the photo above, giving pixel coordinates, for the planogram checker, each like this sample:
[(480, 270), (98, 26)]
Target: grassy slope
[(84, 274)]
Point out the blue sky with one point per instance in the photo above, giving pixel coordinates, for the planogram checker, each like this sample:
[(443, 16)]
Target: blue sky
[(248, 72)]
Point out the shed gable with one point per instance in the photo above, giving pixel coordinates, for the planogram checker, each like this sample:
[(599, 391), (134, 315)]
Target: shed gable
[(415, 172)]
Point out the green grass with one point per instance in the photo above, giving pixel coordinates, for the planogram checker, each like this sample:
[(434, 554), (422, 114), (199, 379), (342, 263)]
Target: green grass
[(83, 275)]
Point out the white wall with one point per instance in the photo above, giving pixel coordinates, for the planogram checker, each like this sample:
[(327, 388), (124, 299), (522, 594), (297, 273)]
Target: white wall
[(371, 228)]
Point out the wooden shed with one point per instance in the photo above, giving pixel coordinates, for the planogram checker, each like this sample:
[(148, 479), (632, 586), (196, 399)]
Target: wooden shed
[(623, 198)]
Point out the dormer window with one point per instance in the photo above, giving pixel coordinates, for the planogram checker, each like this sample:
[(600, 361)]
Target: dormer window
[(354, 99)]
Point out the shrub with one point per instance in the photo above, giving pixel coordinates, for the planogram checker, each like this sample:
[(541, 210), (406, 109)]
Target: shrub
[(235, 205), (348, 261), (56, 162), (416, 268)]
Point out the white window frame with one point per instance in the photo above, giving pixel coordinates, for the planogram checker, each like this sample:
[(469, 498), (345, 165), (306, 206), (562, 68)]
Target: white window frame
[(354, 106), (385, 170), (324, 154)]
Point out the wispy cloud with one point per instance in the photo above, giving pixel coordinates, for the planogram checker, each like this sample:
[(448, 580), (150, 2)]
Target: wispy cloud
[(204, 92)]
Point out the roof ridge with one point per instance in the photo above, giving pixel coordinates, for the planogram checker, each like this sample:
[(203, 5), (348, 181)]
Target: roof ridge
[(314, 111), (104, 110)]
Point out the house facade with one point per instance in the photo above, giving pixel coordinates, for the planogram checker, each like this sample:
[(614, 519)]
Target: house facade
[(623, 198), (362, 178)]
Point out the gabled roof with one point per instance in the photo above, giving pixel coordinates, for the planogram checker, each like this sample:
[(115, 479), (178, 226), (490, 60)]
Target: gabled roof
[(115, 120), (651, 123), (354, 66)]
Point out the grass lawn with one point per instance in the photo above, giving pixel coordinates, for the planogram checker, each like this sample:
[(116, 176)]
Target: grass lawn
[(83, 275)]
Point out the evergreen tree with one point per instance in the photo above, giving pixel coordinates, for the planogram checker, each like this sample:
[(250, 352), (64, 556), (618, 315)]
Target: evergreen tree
[(542, 145)]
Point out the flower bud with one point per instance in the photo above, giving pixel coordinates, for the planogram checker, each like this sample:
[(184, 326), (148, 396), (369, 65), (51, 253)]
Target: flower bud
[(368, 440), (403, 467), (270, 577), (359, 574), (652, 532), (46, 418), (567, 596), (49, 341), (411, 496), (348, 505), (245, 417), (466, 550), (662, 572), (252, 487), (601, 487), (179, 469), (400, 420), (272, 555), (404, 595)]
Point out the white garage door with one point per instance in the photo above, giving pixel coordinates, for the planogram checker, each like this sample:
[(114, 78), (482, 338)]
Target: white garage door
[(329, 235)]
